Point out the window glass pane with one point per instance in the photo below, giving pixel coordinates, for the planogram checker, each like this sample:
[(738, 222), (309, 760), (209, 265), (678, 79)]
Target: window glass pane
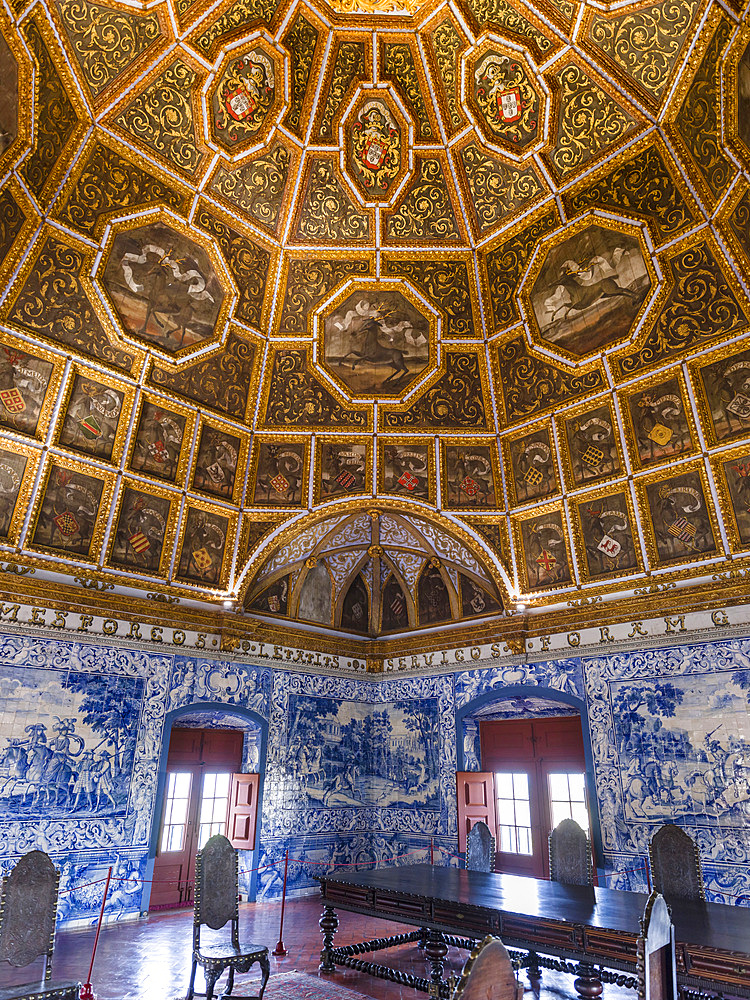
[(523, 816), (524, 840), (222, 785), (504, 786), (558, 786), (577, 787), (567, 793), (181, 784), (521, 786)]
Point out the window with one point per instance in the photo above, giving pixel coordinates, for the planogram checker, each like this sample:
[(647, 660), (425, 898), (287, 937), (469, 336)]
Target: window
[(176, 811), (214, 805), (513, 812), (567, 798)]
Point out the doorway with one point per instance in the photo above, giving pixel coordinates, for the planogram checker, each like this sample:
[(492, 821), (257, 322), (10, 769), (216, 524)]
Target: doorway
[(533, 776), (205, 793)]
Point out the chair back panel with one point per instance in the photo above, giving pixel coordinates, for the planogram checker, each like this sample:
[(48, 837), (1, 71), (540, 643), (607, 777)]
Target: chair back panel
[(657, 978), (675, 864), (28, 903), (216, 885), (480, 848), (488, 974), (570, 854)]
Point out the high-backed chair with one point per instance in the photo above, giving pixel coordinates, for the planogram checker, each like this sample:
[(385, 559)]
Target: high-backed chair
[(488, 974), (570, 854), (28, 905), (675, 864), (655, 954), (480, 848), (216, 905)]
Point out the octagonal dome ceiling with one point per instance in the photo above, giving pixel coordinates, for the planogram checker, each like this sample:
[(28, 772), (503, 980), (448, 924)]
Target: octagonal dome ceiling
[(468, 280)]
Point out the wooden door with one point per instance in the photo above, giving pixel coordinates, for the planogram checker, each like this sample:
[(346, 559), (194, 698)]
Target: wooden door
[(538, 770), (201, 765), (476, 801)]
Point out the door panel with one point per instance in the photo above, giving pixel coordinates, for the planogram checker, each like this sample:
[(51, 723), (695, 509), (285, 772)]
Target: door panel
[(243, 811), (476, 801)]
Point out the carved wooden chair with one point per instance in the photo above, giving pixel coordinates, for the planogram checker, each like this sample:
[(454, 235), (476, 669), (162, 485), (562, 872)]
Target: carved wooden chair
[(675, 864), (28, 906), (216, 905), (488, 974), (570, 854), (480, 849), (655, 954)]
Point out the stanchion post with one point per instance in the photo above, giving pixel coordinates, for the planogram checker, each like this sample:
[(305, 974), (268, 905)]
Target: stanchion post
[(87, 992), (280, 950), (432, 852)]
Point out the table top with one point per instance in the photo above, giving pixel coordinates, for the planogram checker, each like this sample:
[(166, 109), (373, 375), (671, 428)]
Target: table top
[(713, 925)]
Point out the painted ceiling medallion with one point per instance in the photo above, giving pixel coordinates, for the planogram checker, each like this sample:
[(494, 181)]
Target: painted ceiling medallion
[(588, 290), (376, 340), (166, 289), (245, 98), (507, 105), (375, 149)]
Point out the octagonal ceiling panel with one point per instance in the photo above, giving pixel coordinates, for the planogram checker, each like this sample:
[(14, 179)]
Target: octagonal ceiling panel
[(267, 270)]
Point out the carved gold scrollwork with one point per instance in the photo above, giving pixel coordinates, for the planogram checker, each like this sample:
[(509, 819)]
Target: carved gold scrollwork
[(162, 117), (590, 121), (301, 41), (399, 66), (349, 66), (447, 45), (327, 212), (426, 212), (106, 42), (309, 279), (456, 400), (496, 189), (297, 398), (258, 188)]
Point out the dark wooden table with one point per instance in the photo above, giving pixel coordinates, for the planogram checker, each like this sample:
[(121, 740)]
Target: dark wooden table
[(590, 926)]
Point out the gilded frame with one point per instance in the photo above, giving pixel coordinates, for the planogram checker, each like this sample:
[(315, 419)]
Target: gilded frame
[(33, 457), (732, 356), (167, 551), (171, 406), (205, 421), (493, 465), (624, 396), (567, 420), (386, 441), (278, 440), (100, 525), (523, 556), (77, 370), (580, 540), (549, 446), (321, 440), (52, 391), (227, 560), (642, 484)]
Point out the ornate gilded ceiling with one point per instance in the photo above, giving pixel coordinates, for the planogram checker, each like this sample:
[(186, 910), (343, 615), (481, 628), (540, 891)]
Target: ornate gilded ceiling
[(380, 315)]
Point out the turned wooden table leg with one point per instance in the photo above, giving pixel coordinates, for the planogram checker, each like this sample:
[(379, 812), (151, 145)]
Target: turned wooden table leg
[(435, 950), (587, 985), (328, 924)]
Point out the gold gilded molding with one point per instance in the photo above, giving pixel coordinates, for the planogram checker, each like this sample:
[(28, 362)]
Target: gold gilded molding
[(678, 517), (161, 439), (221, 454), (406, 467), (205, 546), (446, 42), (18, 468), (343, 466), (19, 93), (400, 63), (70, 512), (143, 529), (18, 223), (426, 211), (736, 131), (304, 40), (530, 461), (658, 420), (449, 282), (606, 534), (350, 66), (589, 441), (470, 476)]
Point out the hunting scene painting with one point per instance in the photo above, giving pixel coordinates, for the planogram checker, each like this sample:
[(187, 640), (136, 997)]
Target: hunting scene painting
[(140, 531), (343, 467), (203, 545), (470, 480), (164, 287), (592, 446), (376, 342), (68, 744), (726, 384), (589, 290), (158, 441)]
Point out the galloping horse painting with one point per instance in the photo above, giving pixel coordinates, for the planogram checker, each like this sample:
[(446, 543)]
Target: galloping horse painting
[(590, 289), (376, 342)]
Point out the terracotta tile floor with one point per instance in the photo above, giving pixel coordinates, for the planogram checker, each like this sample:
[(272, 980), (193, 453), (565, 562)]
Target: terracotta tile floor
[(150, 959)]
